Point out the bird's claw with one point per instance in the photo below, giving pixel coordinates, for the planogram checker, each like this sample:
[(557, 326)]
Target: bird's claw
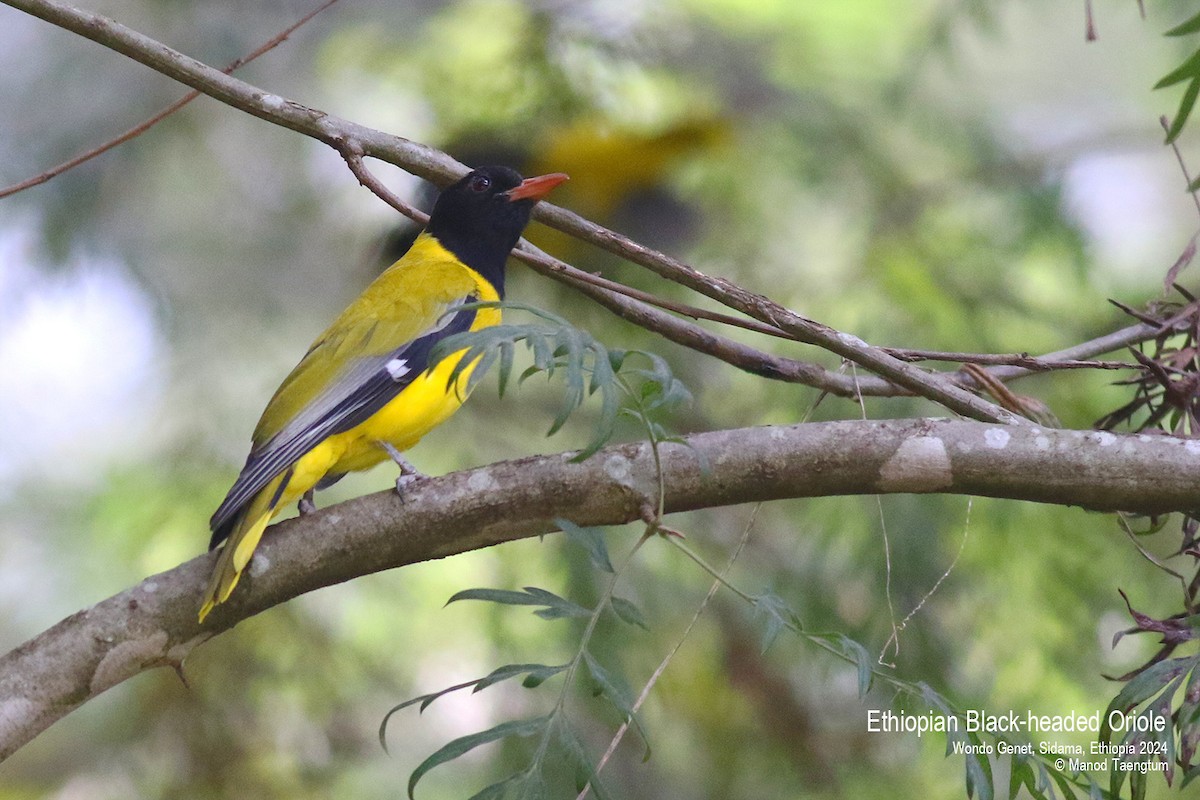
[(406, 480), (408, 473)]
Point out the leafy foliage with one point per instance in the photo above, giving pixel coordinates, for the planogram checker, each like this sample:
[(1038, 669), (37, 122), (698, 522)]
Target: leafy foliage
[(1033, 774), (648, 395), (553, 729), (553, 606), (1166, 399), (823, 154), (1166, 393), (1188, 71), (587, 367)]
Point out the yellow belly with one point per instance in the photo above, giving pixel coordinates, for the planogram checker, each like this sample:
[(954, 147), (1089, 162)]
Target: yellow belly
[(422, 406)]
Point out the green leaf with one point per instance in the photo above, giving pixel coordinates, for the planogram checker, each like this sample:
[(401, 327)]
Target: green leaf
[(1137, 786), (534, 788), (1186, 104), (610, 407), (776, 617), (585, 772), (1045, 785), (498, 790), (506, 365), (572, 397), (979, 773), (424, 700), (504, 596), (1192, 25), (465, 744), (1142, 687), (932, 698), (862, 659), (1064, 785), (591, 540), (543, 355), (481, 368), (1116, 779), (618, 693), (1020, 774), (540, 672), (1189, 69), (537, 677), (602, 371), (579, 355), (628, 612), (555, 607), (1187, 722), (1166, 737)]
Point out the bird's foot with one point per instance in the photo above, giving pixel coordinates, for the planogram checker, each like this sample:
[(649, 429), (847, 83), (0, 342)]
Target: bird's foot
[(408, 473), (306, 505), (405, 481)]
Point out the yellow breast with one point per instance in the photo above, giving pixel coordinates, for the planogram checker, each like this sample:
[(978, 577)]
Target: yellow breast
[(422, 405)]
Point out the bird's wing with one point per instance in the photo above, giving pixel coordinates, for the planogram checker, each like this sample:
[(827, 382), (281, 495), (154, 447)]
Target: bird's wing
[(376, 348)]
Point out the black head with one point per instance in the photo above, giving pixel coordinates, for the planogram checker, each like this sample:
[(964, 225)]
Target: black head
[(480, 218)]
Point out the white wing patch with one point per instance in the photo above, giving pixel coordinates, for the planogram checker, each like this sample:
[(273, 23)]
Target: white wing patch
[(397, 368)]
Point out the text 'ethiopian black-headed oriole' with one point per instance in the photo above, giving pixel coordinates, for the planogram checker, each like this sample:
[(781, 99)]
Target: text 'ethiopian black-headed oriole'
[(366, 390)]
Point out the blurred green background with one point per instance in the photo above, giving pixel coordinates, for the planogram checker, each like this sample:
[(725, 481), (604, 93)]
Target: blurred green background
[(945, 175)]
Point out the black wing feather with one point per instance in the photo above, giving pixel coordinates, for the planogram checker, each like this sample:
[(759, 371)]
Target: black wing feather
[(375, 392)]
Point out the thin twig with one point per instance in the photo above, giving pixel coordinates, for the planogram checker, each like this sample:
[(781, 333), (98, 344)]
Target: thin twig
[(573, 667), (887, 555), (962, 544), (352, 153), (1109, 342), (1035, 363), (670, 656), (536, 255), (145, 125), (929, 385)]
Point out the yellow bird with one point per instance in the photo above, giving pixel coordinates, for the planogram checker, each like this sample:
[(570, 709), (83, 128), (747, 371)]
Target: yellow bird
[(365, 390)]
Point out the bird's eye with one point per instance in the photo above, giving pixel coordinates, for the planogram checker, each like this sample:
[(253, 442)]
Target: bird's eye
[(479, 183)]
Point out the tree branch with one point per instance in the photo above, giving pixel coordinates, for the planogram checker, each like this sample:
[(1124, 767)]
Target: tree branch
[(154, 623), (897, 376), (642, 309), (436, 166)]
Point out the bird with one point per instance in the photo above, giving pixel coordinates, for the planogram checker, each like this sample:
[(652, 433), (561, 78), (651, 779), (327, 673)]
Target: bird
[(366, 389)]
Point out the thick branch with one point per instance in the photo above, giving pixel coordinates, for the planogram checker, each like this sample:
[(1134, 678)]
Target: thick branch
[(154, 623)]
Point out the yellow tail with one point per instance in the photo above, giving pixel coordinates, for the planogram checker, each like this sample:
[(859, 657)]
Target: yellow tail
[(240, 546)]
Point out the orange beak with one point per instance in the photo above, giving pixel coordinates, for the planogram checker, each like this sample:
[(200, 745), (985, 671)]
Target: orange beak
[(536, 188)]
